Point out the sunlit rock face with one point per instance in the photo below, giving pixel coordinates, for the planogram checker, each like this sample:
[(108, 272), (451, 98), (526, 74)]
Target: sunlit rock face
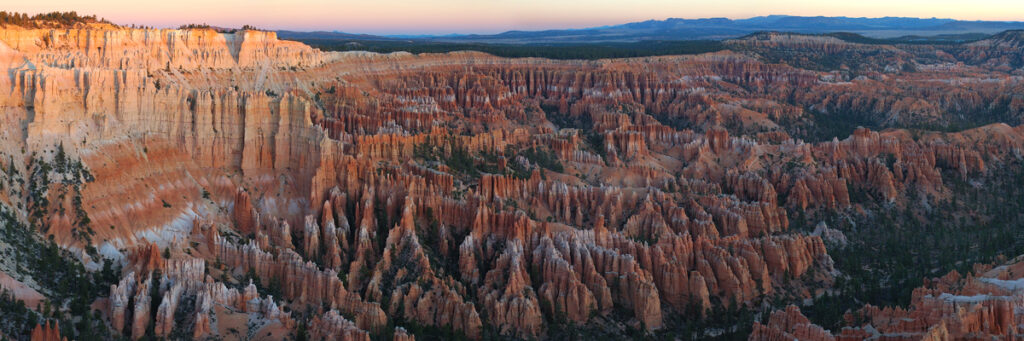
[(262, 186)]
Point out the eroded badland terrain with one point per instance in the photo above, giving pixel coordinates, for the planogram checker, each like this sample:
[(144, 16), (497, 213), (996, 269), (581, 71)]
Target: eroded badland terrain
[(190, 183)]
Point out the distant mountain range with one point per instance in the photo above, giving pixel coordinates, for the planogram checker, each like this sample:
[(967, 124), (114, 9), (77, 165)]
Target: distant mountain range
[(706, 29)]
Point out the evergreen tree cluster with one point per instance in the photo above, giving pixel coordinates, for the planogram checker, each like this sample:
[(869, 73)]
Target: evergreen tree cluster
[(892, 250), (471, 165), (202, 26), (589, 51), (70, 289), (41, 20)]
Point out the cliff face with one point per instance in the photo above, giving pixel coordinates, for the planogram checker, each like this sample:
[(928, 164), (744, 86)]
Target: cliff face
[(185, 50), (234, 175)]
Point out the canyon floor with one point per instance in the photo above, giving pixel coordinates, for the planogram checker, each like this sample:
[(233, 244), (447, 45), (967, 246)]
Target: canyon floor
[(196, 184)]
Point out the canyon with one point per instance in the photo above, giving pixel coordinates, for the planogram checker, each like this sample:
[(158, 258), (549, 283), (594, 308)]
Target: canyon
[(239, 186)]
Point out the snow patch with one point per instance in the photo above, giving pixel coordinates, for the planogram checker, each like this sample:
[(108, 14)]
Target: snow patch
[(963, 299), (1014, 285), (177, 229)]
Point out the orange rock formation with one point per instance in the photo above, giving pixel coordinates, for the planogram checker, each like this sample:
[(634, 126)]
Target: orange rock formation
[(462, 191)]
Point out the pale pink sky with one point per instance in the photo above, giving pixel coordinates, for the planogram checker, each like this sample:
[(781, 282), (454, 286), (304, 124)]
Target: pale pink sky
[(492, 16)]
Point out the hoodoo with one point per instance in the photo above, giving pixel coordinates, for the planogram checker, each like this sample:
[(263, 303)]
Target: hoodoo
[(211, 184)]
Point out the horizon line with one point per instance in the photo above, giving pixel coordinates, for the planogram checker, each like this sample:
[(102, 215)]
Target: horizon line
[(407, 35), (551, 28)]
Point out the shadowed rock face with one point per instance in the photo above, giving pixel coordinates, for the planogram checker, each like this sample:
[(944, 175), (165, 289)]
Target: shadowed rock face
[(242, 178), (984, 304)]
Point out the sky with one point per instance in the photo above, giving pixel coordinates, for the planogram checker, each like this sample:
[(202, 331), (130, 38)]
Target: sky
[(492, 16)]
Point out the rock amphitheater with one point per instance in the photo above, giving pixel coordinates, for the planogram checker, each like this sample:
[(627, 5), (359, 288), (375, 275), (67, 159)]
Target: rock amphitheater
[(248, 187)]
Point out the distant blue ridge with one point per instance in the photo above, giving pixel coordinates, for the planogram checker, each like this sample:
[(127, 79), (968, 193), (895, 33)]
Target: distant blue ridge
[(702, 29)]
